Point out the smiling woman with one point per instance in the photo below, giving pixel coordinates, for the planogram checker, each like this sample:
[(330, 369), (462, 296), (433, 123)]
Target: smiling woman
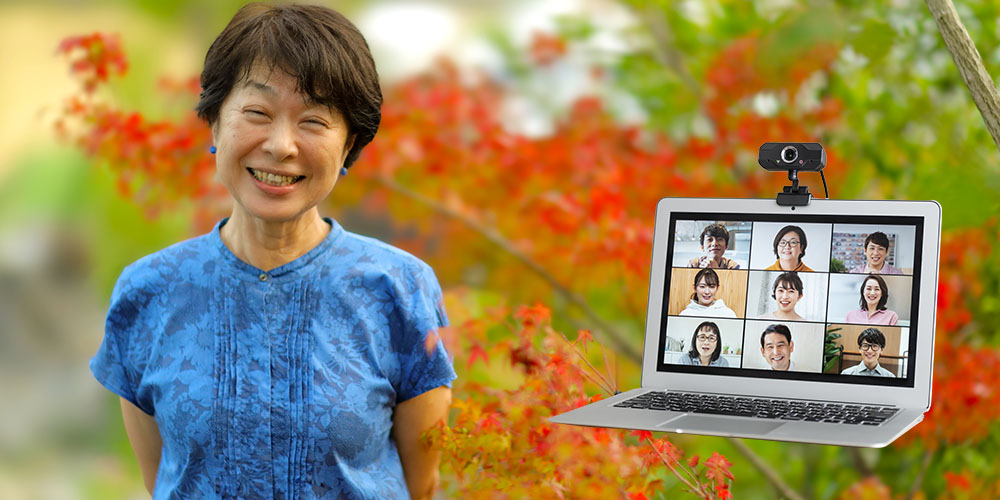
[(281, 356)]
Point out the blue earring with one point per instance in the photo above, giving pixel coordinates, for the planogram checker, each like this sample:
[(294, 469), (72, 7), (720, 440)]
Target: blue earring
[(343, 171), (211, 149)]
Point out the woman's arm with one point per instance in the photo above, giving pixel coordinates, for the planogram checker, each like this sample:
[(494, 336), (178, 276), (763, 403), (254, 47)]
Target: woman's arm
[(144, 435), (411, 418)]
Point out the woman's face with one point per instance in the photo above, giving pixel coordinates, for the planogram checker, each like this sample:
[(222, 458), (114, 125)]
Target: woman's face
[(787, 297), (705, 292), (872, 293), (705, 342), (790, 248), (278, 154)]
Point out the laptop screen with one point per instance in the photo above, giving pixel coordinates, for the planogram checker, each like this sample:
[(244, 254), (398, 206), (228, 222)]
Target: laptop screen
[(802, 297)]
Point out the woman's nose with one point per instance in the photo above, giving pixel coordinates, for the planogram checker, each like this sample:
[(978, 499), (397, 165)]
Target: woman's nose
[(280, 143)]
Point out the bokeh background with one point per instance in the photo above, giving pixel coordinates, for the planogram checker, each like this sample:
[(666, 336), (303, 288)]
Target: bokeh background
[(524, 145)]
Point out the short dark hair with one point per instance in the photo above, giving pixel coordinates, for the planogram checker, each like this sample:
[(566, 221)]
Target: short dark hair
[(715, 230), (693, 352), (779, 329), (790, 278), (879, 238), (710, 276), (873, 336), (881, 284), (802, 239), (316, 45)]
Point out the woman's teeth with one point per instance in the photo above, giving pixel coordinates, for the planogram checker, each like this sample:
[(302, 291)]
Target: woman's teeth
[(274, 180)]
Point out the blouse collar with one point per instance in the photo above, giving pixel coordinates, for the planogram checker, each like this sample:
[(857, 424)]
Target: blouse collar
[(301, 266)]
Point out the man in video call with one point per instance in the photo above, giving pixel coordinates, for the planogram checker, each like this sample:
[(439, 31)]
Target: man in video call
[(714, 241), (776, 346), (870, 343), (876, 248)]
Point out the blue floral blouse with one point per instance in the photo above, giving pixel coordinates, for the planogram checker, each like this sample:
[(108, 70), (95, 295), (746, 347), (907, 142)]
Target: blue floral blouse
[(277, 384)]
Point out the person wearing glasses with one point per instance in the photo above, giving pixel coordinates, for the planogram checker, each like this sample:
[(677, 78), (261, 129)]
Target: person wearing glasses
[(789, 248), (776, 347), (706, 347), (873, 311), (714, 242), (876, 248), (703, 300), (786, 291), (870, 343)]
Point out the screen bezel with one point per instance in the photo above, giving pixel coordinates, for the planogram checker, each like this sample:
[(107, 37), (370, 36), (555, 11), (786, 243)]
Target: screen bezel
[(914, 389)]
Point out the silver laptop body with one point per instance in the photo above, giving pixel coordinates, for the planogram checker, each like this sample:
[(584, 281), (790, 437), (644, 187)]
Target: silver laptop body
[(836, 229)]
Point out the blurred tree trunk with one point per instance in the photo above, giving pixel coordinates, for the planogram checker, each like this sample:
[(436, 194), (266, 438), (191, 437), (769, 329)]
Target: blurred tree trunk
[(969, 62)]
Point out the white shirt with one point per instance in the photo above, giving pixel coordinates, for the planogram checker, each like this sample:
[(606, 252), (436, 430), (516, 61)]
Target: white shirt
[(717, 309)]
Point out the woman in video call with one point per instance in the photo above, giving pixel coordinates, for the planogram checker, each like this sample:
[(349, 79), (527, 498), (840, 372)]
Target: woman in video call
[(876, 249), (870, 344), (786, 291), (789, 248), (703, 301), (706, 347), (874, 296)]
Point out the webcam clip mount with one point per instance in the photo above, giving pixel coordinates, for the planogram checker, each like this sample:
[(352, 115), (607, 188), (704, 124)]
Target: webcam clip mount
[(794, 195)]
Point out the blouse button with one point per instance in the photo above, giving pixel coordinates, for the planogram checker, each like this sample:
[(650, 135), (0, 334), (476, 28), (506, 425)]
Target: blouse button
[(263, 276)]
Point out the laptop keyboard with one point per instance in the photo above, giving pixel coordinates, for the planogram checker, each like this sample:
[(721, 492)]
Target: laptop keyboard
[(780, 409)]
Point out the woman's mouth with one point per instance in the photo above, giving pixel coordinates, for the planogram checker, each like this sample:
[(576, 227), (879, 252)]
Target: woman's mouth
[(784, 304), (274, 180)]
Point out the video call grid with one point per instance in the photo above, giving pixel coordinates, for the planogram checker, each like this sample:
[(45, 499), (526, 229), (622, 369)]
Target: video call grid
[(757, 265)]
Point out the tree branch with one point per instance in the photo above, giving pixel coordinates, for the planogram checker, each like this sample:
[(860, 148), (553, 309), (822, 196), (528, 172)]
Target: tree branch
[(970, 64), (621, 342), (915, 487), (862, 465), (664, 49), (770, 474)]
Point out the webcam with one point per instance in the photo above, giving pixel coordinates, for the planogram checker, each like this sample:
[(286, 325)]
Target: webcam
[(793, 157), (801, 156)]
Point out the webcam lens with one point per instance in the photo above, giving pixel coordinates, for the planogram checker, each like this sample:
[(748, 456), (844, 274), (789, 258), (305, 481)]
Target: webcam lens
[(789, 154)]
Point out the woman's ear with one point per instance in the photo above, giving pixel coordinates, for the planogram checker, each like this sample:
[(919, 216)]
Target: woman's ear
[(349, 144), (214, 128)]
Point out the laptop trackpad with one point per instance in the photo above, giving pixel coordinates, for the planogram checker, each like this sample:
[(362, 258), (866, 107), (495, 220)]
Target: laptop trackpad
[(698, 424)]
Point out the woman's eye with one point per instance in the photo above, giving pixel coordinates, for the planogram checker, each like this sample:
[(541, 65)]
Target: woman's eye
[(316, 122)]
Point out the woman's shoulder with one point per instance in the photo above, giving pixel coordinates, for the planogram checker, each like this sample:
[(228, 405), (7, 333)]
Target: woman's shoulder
[(381, 254), (856, 314), (379, 263), (181, 260)]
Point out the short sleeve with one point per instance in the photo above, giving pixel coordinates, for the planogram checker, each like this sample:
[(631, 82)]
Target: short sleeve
[(113, 365), (424, 363)]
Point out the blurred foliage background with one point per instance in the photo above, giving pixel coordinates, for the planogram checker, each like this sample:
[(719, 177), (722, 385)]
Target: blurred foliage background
[(699, 83)]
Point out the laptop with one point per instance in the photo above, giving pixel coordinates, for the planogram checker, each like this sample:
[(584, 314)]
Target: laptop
[(810, 324)]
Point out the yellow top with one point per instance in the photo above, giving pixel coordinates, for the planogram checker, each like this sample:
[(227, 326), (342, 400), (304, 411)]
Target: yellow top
[(777, 267)]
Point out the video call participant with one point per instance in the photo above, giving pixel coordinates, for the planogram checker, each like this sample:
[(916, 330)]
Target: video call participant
[(703, 301), (706, 347), (870, 343), (786, 291), (874, 296), (876, 248), (776, 346), (789, 247), (714, 242)]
